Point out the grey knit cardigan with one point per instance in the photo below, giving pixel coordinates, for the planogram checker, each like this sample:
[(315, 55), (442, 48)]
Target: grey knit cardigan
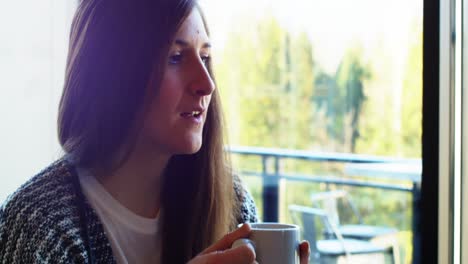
[(41, 223)]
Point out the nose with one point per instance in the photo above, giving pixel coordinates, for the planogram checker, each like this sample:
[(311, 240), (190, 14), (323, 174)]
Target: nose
[(202, 84)]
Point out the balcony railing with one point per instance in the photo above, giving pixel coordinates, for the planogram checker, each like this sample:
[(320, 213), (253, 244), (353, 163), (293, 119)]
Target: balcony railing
[(360, 170)]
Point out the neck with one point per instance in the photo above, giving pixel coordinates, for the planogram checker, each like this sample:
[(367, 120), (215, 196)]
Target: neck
[(136, 184)]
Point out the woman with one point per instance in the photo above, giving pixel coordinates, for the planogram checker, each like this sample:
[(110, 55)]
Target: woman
[(145, 178)]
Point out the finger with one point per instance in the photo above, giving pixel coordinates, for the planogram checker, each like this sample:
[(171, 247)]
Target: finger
[(304, 250), (227, 240), (244, 254)]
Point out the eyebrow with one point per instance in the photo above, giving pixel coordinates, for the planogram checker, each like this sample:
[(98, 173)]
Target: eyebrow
[(186, 44)]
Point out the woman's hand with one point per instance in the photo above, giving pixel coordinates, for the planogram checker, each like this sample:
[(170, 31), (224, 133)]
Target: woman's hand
[(304, 250), (221, 251)]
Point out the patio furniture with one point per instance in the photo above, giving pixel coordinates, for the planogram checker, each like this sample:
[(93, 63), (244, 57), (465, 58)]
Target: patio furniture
[(336, 249), (381, 235)]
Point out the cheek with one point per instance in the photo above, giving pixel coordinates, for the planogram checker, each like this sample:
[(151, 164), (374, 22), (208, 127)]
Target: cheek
[(169, 88), (168, 97), (164, 107)]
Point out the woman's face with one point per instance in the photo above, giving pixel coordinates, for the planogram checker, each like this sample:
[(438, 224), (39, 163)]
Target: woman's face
[(174, 123)]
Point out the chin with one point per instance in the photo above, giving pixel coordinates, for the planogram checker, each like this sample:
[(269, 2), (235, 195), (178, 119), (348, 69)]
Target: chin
[(188, 151), (189, 148)]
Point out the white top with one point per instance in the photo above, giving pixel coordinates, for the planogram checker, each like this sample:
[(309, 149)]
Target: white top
[(133, 238)]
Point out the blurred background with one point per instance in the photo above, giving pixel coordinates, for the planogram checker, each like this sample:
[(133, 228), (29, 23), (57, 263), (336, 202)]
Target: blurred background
[(315, 92)]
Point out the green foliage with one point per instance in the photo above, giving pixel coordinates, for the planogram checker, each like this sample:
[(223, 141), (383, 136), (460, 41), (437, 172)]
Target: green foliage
[(350, 77), (275, 95), (411, 114), (342, 96), (274, 75), (391, 118)]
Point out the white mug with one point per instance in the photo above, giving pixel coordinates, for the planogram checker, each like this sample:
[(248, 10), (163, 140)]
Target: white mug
[(274, 243)]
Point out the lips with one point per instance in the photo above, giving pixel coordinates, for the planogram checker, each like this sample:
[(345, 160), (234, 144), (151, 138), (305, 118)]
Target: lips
[(194, 115), (191, 114)]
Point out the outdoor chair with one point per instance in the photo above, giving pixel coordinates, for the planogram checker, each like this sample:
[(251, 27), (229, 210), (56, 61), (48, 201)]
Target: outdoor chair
[(381, 235), (333, 250)]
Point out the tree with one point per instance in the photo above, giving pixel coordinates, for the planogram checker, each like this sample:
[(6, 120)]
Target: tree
[(412, 98), (350, 77), (301, 77), (269, 73), (342, 96)]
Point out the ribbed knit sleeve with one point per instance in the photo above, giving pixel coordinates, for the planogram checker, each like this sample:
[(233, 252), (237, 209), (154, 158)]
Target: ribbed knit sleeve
[(39, 224)]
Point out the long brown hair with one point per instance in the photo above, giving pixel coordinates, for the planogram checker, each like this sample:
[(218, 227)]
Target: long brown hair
[(116, 47)]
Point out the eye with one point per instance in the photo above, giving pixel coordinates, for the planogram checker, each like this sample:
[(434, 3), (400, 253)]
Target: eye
[(175, 59)]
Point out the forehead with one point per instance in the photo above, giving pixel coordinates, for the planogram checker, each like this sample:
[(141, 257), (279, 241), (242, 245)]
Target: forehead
[(193, 28)]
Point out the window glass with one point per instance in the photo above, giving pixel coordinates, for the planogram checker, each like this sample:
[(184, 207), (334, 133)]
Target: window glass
[(325, 96)]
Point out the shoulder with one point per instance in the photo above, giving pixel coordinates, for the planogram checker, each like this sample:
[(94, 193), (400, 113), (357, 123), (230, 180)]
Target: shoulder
[(41, 194), (247, 208), (40, 217)]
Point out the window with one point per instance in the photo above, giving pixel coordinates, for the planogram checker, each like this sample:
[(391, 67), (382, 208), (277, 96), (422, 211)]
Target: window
[(325, 96)]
